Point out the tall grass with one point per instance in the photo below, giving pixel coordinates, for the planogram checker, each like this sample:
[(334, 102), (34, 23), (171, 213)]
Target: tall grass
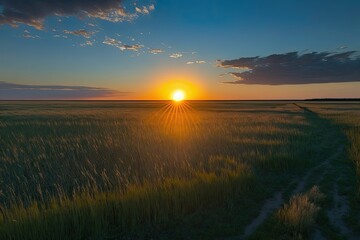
[(298, 216), (78, 171), (347, 117), (97, 214), (354, 149)]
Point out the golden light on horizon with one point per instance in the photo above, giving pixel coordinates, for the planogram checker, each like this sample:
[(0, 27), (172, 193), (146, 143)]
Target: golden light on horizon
[(178, 95), (177, 119), (164, 83)]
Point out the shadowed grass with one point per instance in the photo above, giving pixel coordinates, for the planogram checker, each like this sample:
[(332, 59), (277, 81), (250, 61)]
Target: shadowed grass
[(70, 172), (152, 205), (295, 220)]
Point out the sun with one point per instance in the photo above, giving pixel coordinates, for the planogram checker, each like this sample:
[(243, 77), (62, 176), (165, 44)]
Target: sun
[(178, 95)]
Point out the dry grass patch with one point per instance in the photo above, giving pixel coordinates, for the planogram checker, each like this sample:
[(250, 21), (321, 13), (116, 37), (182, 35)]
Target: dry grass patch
[(299, 215)]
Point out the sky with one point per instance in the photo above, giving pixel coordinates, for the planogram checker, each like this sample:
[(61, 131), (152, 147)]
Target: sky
[(211, 49)]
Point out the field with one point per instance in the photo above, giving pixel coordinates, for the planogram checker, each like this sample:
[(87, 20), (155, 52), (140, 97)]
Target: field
[(190, 170)]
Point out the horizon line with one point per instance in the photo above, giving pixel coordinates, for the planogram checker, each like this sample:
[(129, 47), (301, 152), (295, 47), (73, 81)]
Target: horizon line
[(166, 100)]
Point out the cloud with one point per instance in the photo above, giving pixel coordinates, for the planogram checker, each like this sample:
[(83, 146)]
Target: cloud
[(135, 47), (112, 42), (87, 44), (295, 68), (13, 91), (156, 51), (118, 44), (151, 7), (196, 62), (33, 12), (176, 55), (145, 10), (27, 34), (82, 32), (58, 36)]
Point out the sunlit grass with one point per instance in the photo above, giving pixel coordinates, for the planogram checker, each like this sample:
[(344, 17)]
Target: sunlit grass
[(121, 169), (298, 216)]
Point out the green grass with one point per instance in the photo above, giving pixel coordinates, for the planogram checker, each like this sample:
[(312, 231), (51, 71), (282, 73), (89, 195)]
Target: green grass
[(90, 170), (295, 219), (347, 118), (298, 216), (138, 209)]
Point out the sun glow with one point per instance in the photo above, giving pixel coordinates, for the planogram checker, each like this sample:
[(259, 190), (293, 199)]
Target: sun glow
[(178, 95), (165, 82)]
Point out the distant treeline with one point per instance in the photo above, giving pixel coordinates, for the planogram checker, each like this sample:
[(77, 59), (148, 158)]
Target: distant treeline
[(333, 99)]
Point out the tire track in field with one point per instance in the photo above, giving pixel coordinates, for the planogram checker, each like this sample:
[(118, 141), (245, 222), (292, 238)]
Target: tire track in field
[(341, 206), (276, 201), (337, 213), (339, 210)]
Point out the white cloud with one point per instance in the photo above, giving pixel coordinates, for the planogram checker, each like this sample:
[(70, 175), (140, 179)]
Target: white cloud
[(81, 32), (135, 47), (176, 55), (27, 34), (118, 44), (87, 44), (145, 10), (196, 62), (112, 42), (156, 51)]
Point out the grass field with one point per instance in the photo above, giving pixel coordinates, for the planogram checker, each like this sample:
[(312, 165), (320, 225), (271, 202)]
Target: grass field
[(194, 170)]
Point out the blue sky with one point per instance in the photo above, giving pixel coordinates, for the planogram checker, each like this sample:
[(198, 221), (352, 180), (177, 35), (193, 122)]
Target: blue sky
[(62, 47)]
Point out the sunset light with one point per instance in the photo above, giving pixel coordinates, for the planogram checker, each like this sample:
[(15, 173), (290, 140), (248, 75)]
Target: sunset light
[(178, 95), (183, 119)]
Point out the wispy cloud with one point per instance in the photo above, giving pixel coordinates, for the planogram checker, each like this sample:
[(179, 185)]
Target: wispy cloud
[(145, 9), (176, 55), (87, 44), (112, 42), (14, 91), (27, 34), (196, 62), (295, 68), (118, 44), (134, 47), (151, 7), (156, 51), (33, 12), (81, 32)]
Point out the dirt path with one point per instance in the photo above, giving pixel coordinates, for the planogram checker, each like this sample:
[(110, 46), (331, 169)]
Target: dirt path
[(277, 200), (269, 206), (338, 211), (341, 204)]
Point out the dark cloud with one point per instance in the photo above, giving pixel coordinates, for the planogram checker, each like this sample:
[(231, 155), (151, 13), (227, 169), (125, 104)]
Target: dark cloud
[(33, 12), (295, 68), (13, 91)]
